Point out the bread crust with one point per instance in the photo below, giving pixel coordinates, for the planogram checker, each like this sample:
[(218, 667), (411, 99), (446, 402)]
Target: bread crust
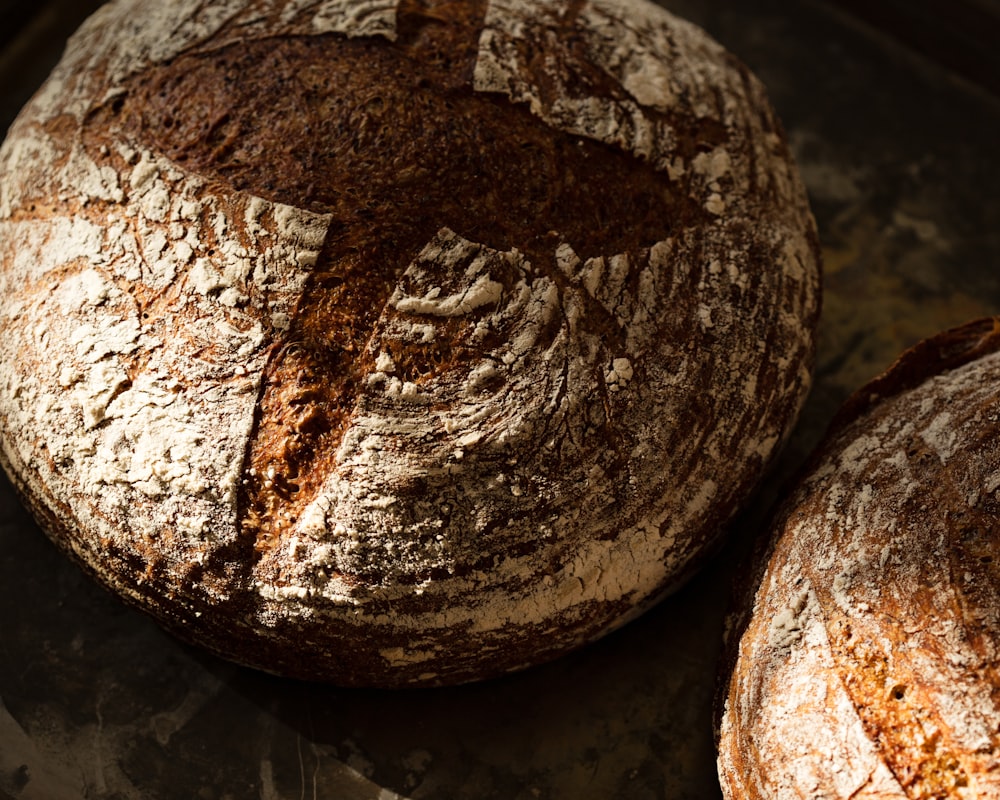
[(342, 385), (863, 662)]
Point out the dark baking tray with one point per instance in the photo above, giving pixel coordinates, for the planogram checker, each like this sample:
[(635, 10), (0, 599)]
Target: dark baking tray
[(897, 142)]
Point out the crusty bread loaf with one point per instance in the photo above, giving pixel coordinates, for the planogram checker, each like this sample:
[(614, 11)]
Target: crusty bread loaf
[(392, 342), (867, 664)]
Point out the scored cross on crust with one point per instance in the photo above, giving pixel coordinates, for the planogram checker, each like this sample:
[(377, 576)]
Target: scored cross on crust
[(441, 336)]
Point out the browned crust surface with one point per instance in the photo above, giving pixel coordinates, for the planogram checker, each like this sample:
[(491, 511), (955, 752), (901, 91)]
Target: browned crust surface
[(867, 665), (398, 344)]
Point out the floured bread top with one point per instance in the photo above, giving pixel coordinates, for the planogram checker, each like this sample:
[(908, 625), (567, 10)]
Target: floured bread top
[(397, 342), (869, 665)]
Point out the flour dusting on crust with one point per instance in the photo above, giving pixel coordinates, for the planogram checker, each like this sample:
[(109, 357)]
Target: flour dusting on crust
[(600, 417), (133, 388), (882, 681)]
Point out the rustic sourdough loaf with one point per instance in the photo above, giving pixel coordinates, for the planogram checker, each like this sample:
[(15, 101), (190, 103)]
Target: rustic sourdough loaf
[(867, 665), (397, 343)]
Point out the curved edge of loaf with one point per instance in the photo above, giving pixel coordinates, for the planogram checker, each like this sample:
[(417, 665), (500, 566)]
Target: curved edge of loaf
[(820, 655)]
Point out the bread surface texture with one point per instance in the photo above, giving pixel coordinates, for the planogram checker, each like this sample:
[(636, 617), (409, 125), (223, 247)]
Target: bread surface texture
[(397, 343), (865, 664)]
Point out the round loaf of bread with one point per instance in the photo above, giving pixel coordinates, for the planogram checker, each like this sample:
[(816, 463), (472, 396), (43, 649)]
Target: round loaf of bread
[(868, 663), (393, 342)]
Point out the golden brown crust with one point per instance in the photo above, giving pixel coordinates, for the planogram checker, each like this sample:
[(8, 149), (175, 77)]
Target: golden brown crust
[(398, 343), (867, 663)]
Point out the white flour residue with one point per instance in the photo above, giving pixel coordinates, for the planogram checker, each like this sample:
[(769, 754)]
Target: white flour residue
[(877, 532), (350, 17), (126, 36), (403, 432), (526, 442), (500, 68), (147, 430), (662, 62)]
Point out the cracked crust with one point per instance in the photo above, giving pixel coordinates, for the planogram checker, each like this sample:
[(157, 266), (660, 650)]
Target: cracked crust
[(867, 664), (397, 344)]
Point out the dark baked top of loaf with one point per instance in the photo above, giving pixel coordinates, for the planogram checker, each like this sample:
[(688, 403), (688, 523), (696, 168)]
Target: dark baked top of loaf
[(394, 144), (451, 323)]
